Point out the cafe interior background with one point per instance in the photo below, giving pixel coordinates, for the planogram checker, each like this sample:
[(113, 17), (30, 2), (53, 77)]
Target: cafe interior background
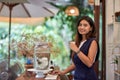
[(57, 25)]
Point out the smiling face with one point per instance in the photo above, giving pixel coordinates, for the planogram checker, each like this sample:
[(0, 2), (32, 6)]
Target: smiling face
[(84, 27)]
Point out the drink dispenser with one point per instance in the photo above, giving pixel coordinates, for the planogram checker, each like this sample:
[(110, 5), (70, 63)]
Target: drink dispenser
[(41, 56)]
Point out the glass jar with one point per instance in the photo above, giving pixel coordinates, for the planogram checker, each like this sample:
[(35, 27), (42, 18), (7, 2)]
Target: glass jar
[(41, 56)]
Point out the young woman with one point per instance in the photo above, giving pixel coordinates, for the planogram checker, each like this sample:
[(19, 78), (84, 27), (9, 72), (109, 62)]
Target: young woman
[(85, 50)]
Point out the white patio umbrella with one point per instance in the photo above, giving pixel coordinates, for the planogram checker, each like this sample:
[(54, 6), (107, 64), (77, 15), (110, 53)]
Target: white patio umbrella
[(24, 8)]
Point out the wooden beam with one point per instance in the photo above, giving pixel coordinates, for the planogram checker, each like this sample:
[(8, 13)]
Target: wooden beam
[(97, 22), (103, 42)]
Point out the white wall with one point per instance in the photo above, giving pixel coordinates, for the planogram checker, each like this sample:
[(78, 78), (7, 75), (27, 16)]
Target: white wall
[(109, 13), (110, 36)]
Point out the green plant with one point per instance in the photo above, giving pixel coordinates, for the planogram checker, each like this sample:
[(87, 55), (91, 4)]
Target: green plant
[(115, 60), (25, 45)]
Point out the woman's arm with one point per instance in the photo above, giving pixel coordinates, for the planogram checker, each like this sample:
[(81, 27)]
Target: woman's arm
[(90, 58), (70, 68)]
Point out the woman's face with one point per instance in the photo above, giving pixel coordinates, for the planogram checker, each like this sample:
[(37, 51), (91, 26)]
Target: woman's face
[(84, 27)]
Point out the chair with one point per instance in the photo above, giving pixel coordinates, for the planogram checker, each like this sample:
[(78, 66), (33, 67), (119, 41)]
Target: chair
[(3, 65), (12, 72), (17, 68), (3, 70)]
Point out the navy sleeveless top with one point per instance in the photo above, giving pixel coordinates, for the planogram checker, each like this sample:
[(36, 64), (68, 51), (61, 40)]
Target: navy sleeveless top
[(82, 72)]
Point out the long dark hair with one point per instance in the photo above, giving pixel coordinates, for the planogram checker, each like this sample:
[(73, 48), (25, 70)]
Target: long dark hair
[(91, 34)]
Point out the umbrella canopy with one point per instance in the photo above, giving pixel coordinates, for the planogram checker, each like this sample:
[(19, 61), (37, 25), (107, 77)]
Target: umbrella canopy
[(28, 10), (24, 8), (14, 1)]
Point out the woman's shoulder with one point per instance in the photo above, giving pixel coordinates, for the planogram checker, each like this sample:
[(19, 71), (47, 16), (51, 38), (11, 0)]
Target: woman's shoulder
[(92, 40)]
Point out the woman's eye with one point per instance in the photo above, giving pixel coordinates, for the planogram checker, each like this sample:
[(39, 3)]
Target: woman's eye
[(85, 25), (80, 24)]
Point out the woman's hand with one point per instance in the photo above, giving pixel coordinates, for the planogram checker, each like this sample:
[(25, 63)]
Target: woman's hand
[(73, 46), (58, 72)]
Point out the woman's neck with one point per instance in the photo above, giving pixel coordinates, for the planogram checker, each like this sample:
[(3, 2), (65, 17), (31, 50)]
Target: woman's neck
[(83, 38)]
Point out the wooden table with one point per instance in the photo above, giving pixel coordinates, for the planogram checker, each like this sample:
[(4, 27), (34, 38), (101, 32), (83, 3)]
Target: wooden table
[(31, 76), (28, 75)]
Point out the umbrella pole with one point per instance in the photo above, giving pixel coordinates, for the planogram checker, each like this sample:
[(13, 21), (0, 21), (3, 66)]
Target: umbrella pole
[(10, 6), (9, 35)]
